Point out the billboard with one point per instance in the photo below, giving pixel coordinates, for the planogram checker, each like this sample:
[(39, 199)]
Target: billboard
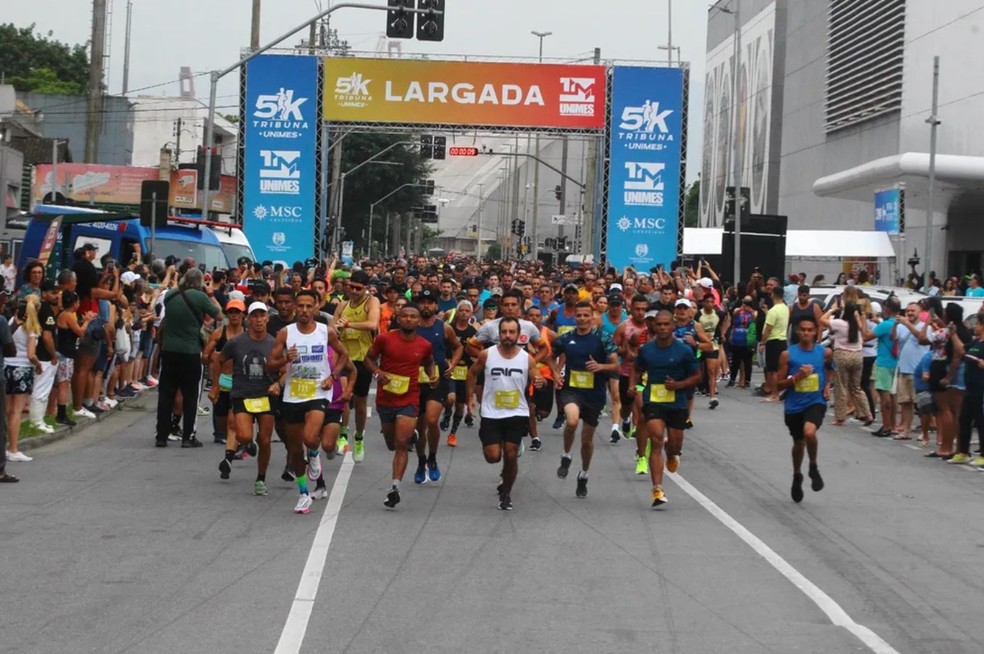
[(644, 186), (464, 93), (889, 211), (280, 171)]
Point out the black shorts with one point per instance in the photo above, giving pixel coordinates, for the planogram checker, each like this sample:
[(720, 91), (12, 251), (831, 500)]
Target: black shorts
[(363, 381), (294, 413), (437, 394), (333, 416), (623, 387), (223, 405), (772, 351), (543, 398), (238, 406), (494, 431), (796, 421), (673, 417), (460, 388), (590, 411)]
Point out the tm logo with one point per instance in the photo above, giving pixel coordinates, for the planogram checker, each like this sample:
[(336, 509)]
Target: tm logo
[(644, 176), (281, 106), (577, 97), (646, 119), (354, 84), (280, 164)]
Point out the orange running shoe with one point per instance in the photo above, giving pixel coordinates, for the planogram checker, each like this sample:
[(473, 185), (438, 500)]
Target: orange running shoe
[(452, 440), (673, 463)]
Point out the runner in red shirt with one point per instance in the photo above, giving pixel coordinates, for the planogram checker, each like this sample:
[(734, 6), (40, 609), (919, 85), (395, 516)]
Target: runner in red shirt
[(398, 359)]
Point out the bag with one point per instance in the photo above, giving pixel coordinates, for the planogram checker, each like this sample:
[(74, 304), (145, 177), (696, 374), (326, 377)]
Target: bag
[(740, 331), (752, 333)]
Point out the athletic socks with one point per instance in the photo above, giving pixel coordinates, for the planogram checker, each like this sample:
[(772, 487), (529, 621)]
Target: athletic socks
[(260, 477), (313, 453), (360, 435), (456, 423), (344, 432), (567, 455), (302, 484), (230, 455), (396, 484)]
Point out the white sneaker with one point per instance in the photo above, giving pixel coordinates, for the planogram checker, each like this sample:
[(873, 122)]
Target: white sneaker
[(314, 466), (110, 402), (138, 387), (303, 504), (319, 493), (85, 413), (18, 456), (204, 411), (43, 427), (152, 381)]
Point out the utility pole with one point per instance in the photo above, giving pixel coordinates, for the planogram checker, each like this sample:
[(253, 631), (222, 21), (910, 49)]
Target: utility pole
[(177, 143), (514, 200), (536, 166), (126, 47), (95, 99), (254, 32), (563, 185), (736, 137), (591, 186), (934, 123), (481, 202)]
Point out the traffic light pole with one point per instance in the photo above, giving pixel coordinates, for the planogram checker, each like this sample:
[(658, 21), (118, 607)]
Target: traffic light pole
[(541, 162), (372, 211), (216, 75)]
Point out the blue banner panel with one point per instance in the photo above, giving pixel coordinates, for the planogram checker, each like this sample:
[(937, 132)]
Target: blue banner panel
[(888, 211), (644, 186), (280, 172)]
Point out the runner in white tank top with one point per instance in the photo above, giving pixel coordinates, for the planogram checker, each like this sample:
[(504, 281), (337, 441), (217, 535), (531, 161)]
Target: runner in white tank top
[(306, 373), (505, 412)]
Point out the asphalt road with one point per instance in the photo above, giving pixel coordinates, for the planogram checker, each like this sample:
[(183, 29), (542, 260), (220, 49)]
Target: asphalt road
[(111, 545)]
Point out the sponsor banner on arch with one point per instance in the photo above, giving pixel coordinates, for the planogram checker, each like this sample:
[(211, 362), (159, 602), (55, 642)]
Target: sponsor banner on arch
[(464, 93), (644, 187), (279, 176)]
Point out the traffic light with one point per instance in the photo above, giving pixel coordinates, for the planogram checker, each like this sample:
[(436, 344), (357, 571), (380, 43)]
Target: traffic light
[(427, 146), (440, 147), (430, 26), (399, 22), (558, 192), (520, 228), (429, 187)]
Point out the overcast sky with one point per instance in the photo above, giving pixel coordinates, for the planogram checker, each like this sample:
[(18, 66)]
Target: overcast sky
[(209, 34)]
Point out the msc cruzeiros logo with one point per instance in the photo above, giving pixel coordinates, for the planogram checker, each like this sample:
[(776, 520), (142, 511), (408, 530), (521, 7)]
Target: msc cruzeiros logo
[(644, 184), (642, 224), (353, 91), (283, 214), (279, 115), (646, 124), (577, 97), (279, 172)]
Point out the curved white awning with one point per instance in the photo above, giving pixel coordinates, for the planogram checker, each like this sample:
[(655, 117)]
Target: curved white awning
[(803, 243)]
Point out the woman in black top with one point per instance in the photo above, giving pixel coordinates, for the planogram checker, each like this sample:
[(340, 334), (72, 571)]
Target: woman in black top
[(67, 345)]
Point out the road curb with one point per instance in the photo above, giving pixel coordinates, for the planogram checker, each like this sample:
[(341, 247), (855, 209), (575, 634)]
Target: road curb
[(62, 432)]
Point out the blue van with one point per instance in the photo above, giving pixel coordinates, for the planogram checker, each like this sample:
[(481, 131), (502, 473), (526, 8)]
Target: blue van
[(115, 234)]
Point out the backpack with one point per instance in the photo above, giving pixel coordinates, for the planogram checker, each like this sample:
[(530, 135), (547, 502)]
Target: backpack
[(740, 330)]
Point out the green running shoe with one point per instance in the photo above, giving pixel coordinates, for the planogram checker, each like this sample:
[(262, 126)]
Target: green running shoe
[(642, 465), (259, 488), (342, 445), (359, 454)]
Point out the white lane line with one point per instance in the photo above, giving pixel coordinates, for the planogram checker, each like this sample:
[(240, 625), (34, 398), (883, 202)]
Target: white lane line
[(292, 637), (837, 615)]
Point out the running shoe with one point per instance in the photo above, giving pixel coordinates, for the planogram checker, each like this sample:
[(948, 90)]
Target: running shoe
[(288, 474), (190, 443), (314, 465), (43, 427), (469, 421), (204, 411), (251, 448), (359, 454), (445, 421), (150, 380), (582, 487), (420, 477), (616, 436), (452, 440), (714, 404), (126, 393), (303, 504), (642, 465), (797, 491), (110, 402), (138, 387), (659, 497), (565, 466), (100, 407), (960, 459), (535, 445), (392, 498), (673, 463), (225, 468), (320, 492), (505, 503), (342, 445), (816, 479), (19, 457), (978, 462), (558, 422), (259, 488), (433, 471)]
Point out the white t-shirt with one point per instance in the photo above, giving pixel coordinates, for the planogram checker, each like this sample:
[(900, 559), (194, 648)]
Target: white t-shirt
[(488, 334)]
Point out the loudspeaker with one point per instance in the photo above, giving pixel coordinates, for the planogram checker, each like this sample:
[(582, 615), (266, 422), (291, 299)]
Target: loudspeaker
[(763, 246), (148, 212)]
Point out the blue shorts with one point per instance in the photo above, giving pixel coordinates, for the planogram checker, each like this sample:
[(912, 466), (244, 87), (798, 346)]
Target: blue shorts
[(389, 414)]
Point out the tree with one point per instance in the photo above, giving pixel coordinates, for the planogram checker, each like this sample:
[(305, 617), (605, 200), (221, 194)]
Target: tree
[(38, 63), (494, 252), (691, 207), (371, 182)]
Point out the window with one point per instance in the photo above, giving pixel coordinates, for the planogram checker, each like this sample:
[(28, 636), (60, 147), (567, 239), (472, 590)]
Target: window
[(865, 44)]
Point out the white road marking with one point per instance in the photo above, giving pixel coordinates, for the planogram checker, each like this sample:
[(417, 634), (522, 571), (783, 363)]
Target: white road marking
[(292, 637), (837, 615)]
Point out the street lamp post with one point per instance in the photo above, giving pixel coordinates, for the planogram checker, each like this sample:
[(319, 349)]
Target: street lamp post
[(536, 167), (372, 211), (736, 146)]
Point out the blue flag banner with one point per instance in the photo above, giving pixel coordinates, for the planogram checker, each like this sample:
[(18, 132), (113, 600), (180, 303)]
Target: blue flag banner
[(888, 211)]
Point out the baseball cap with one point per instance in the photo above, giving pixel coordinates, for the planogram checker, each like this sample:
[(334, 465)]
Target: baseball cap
[(129, 277), (490, 304), (876, 308), (615, 298), (571, 287), (425, 295), (496, 291), (682, 303), (652, 314), (237, 304), (257, 306), (615, 288), (706, 282), (359, 277)]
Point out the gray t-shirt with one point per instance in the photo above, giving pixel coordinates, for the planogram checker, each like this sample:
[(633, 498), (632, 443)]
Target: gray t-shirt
[(488, 334), (249, 357)]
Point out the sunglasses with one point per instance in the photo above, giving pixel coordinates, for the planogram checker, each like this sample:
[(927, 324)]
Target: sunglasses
[(356, 287)]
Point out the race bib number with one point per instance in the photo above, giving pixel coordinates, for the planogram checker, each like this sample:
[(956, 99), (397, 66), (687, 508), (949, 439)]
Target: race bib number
[(809, 384), (257, 405), (423, 377), (582, 379), (397, 385), (660, 394), (507, 399), (460, 373), (564, 329), (303, 389)]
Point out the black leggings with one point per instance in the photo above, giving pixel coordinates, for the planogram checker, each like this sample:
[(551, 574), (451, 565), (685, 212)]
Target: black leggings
[(741, 359), (971, 415), (866, 368), (179, 372)]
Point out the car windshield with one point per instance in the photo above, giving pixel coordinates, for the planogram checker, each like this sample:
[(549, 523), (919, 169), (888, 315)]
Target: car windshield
[(210, 255), (233, 251)]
